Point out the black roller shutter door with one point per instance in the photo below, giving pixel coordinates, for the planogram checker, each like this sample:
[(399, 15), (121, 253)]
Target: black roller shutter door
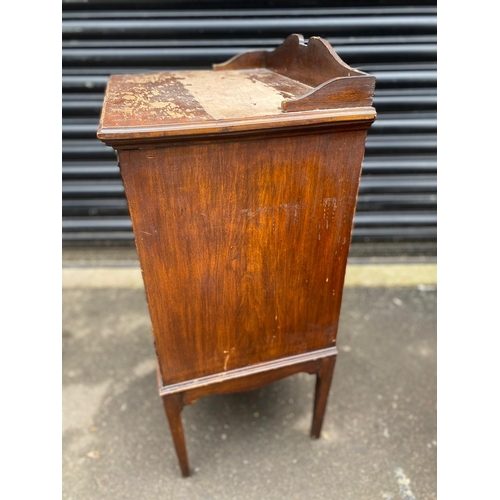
[(395, 41)]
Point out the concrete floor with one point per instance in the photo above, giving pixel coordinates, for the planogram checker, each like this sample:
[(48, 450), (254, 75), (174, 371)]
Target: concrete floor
[(379, 435)]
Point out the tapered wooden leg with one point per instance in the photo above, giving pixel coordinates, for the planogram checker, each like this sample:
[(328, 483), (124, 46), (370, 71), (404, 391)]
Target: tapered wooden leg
[(323, 382), (173, 407)]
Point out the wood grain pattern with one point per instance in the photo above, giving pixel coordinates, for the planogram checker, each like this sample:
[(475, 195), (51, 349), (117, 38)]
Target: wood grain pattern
[(242, 186), (313, 63), (243, 250), (333, 83), (336, 93)]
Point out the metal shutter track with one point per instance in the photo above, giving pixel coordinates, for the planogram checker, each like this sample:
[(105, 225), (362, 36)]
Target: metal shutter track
[(396, 43)]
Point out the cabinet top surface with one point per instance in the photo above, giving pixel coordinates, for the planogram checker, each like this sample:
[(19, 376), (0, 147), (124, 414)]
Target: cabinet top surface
[(296, 84), (188, 97)]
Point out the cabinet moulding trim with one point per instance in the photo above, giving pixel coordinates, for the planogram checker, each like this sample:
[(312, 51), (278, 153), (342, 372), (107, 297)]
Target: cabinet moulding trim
[(345, 118), (245, 371)]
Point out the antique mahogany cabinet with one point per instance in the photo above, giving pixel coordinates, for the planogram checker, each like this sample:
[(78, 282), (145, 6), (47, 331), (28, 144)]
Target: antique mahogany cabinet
[(242, 183)]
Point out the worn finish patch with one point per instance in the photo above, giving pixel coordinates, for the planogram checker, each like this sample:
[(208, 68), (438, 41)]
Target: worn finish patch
[(151, 99), (231, 94)]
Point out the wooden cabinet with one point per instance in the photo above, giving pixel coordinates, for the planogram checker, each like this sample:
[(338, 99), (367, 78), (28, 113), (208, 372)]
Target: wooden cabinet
[(242, 183)]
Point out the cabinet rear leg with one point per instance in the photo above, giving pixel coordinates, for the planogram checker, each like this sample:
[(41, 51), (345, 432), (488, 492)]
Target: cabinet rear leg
[(173, 407), (323, 383)]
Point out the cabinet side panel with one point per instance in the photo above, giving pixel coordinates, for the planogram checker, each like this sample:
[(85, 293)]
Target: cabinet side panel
[(243, 246)]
